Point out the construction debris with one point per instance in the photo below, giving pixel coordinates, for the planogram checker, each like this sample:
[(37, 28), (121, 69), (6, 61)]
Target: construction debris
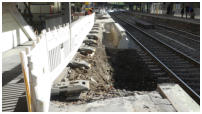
[(93, 80), (96, 25), (93, 31), (92, 36), (95, 28), (86, 50), (74, 87), (80, 64), (90, 42)]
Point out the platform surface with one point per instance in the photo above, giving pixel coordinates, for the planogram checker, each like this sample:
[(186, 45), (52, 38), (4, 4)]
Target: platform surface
[(13, 87), (141, 102), (180, 100), (164, 16)]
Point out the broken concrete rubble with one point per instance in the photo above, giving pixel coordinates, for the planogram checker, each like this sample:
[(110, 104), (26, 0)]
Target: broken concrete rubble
[(95, 28), (74, 87), (93, 31), (90, 42), (86, 50), (92, 36), (96, 25), (79, 64)]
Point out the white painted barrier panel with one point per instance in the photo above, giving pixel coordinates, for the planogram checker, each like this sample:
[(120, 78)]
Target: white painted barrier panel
[(51, 53)]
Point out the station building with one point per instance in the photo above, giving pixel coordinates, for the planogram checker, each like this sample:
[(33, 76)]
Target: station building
[(168, 8)]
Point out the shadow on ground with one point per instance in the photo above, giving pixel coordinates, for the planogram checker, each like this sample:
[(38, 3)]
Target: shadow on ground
[(129, 71), (21, 105), (8, 76)]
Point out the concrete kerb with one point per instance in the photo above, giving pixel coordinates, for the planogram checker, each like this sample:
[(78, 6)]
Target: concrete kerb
[(92, 36)]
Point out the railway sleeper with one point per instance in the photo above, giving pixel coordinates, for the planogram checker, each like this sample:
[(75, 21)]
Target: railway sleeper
[(188, 74), (176, 63), (177, 66), (194, 85), (191, 81), (189, 70), (197, 91), (152, 65), (157, 50), (160, 73), (191, 78), (195, 80), (146, 60), (149, 62), (170, 58), (164, 80), (156, 70)]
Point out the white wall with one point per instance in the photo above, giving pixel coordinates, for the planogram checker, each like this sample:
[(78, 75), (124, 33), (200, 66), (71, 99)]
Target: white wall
[(46, 8), (40, 8), (12, 34)]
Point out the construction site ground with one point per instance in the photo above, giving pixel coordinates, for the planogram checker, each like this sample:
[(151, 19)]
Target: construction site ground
[(119, 80)]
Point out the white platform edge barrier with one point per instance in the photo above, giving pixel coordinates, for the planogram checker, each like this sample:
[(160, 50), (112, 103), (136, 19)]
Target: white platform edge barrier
[(49, 55)]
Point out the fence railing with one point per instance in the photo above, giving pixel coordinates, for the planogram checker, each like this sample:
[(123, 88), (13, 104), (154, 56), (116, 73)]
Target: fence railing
[(47, 58)]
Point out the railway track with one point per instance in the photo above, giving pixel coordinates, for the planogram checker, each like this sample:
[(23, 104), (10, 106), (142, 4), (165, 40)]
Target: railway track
[(176, 30), (189, 47), (183, 42), (184, 69), (182, 33)]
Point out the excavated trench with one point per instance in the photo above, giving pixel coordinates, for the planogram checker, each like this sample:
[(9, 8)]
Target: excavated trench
[(116, 71), (129, 72)]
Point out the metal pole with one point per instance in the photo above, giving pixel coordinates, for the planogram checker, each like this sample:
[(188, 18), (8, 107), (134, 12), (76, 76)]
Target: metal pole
[(70, 25)]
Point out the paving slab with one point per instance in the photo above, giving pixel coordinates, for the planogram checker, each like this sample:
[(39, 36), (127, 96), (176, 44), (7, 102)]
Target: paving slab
[(180, 100), (137, 103), (13, 88)]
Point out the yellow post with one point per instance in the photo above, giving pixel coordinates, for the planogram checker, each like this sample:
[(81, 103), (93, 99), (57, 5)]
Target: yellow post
[(22, 56)]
